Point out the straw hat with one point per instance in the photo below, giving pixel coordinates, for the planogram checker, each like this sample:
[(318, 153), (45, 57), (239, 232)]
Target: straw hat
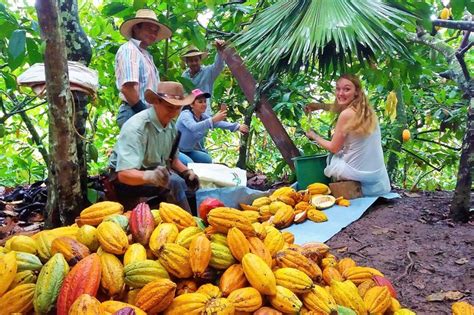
[(192, 51), (144, 16), (172, 92)]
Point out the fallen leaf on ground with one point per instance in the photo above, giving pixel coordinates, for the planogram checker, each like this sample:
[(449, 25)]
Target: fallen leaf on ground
[(462, 261), (380, 231), (342, 249), (412, 195), (442, 296)]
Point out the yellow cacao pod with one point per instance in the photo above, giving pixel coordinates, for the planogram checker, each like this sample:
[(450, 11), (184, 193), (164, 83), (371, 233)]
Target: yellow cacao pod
[(94, 214), (22, 243), (199, 254), (318, 299), (219, 238), (23, 277), (405, 311), (223, 219), (346, 294), (139, 273), (345, 263), (43, 245), (258, 248), (260, 230), (186, 235), (293, 259), (175, 259), (72, 250), (284, 217), (275, 206), (188, 303), (365, 286), (238, 243), (274, 241), (112, 275), (331, 273), (462, 308), (156, 216), (293, 279), (8, 269), (261, 201), (288, 237), (18, 300), (317, 216), (86, 305), (359, 274), (377, 299), (253, 216), (163, 233), (171, 213), (259, 274), (285, 301), (318, 188), (211, 290), (134, 253), (112, 238), (246, 299), (87, 235), (219, 306)]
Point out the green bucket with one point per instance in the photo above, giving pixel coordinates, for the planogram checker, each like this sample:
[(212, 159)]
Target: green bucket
[(310, 169)]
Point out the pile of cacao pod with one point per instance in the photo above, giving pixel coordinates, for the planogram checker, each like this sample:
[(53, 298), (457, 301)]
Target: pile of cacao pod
[(166, 261), (286, 206)]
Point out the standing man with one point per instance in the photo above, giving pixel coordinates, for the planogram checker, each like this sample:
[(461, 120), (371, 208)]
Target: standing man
[(141, 162), (135, 71), (203, 77)]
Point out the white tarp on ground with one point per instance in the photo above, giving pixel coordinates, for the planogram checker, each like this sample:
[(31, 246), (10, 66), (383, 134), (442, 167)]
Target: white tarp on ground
[(308, 231)]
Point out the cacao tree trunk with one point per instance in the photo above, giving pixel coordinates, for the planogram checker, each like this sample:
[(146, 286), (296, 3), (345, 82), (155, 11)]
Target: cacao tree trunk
[(78, 49), (460, 205), (397, 130), (245, 141), (64, 190)]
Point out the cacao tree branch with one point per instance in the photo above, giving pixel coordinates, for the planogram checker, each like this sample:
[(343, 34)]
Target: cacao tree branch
[(438, 143), (423, 160), (36, 138)]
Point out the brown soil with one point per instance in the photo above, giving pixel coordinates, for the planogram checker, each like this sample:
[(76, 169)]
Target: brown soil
[(413, 242)]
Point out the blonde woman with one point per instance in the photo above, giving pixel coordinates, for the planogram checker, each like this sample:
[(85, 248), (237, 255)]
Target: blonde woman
[(356, 143)]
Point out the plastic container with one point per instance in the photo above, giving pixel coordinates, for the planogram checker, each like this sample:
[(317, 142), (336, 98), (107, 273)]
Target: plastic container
[(310, 169)]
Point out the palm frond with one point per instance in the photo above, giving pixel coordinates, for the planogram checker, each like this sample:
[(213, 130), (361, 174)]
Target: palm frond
[(295, 33)]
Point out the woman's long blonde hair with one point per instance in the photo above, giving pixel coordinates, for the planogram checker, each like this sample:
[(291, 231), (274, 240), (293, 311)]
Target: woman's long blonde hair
[(365, 119)]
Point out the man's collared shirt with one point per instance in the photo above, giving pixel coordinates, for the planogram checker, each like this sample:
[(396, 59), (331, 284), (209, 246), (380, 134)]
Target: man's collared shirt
[(143, 142), (135, 64)]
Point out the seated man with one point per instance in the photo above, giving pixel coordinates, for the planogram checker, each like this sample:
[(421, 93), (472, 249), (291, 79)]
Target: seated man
[(141, 163)]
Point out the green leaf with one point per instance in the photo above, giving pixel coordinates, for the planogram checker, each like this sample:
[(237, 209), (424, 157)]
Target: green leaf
[(114, 8), (187, 84), (10, 81), (16, 48), (92, 195), (198, 39), (139, 4), (92, 151), (34, 54)]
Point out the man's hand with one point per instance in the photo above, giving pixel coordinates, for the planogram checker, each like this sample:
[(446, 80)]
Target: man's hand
[(191, 179), (220, 44), (158, 177), (244, 128)]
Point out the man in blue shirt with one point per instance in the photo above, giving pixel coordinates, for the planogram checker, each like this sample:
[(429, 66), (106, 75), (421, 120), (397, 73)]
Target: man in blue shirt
[(203, 77)]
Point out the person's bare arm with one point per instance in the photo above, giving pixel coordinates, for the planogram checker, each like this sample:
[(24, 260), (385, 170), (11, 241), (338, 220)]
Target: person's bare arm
[(131, 177), (336, 143), (310, 107), (178, 166)]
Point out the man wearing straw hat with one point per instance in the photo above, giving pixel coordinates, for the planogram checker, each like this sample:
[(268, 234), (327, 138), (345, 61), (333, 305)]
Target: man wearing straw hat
[(135, 70), (141, 162), (203, 77)]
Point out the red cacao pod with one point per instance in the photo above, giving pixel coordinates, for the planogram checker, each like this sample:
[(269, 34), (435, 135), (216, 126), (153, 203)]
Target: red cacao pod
[(207, 205), (142, 223), (84, 278), (382, 281)]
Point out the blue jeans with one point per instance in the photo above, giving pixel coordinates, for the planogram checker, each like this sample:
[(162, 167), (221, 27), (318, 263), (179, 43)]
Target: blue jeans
[(195, 156)]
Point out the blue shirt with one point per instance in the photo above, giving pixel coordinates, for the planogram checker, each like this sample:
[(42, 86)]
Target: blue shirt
[(204, 79), (193, 130)]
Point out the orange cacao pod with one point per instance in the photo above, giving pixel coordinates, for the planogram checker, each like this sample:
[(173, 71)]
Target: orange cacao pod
[(232, 279), (330, 273), (84, 278), (246, 299), (258, 248), (72, 250), (156, 296), (171, 213), (199, 254), (86, 304), (293, 259), (238, 244)]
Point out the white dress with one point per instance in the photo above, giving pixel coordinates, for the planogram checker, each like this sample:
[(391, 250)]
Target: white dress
[(361, 159)]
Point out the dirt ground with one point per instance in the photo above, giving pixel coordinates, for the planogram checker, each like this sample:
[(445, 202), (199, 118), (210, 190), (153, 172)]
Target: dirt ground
[(413, 242)]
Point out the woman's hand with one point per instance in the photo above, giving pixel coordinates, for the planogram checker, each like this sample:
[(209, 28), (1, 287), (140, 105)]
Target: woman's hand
[(220, 116), (312, 135), (244, 128)]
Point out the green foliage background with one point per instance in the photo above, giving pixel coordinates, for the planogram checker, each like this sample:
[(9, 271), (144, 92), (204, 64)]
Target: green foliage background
[(436, 110)]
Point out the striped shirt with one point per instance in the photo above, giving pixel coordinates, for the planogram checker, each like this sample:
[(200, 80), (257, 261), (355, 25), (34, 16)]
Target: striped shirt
[(135, 64)]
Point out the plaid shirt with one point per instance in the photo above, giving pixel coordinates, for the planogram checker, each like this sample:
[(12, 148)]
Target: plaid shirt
[(135, 64)]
